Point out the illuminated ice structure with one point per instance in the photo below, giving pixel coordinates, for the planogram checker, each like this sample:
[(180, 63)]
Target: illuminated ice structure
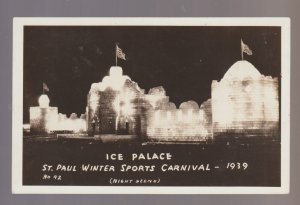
[(46, 120), (117, 105), (188, 123), (245, 103), (43, 118)]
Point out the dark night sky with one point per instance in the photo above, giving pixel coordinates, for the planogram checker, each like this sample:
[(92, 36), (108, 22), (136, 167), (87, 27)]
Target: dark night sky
[(184, 60)]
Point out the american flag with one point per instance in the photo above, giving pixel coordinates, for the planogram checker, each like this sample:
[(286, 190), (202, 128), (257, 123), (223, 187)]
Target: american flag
[(45, 87), (245, 48), (120, 53)]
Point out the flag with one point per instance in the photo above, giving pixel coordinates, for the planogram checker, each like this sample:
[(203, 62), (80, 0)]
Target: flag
[(45, 87), (119, 53), (245, 48)]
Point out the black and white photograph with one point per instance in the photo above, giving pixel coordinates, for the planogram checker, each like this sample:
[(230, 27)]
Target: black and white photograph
[(151, 105)]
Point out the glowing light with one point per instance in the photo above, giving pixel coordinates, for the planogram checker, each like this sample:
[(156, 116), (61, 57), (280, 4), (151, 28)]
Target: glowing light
[(190, 115), (248, 96), (51, 121), (127, 109), (156, 117), (76, 125), (94, 101), (153, 99), (35, 112), (44, 101), (168, 128), (94, 97), (125, 105), (179, 115), (26, 126), (80, 125), (204, 131), (201, 115), (115, 71), (116, 104), (168, 115), (115, 80), (248, 88), (101, 86), (242, 70)]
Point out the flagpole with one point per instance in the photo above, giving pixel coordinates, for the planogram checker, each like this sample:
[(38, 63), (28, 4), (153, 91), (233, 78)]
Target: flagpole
[(242, 49), (242, 55), (116, 56)]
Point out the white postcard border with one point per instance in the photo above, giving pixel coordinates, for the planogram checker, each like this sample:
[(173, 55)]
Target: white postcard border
[(17, 105)]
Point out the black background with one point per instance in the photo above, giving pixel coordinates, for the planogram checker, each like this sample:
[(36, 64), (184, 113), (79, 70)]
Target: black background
[(184, 60)]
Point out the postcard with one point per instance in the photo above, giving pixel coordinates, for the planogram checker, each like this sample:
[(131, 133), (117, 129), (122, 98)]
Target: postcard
[(151, 106)]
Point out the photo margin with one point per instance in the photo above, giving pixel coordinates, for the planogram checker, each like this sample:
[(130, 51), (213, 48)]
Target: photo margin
[(17, 105)]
